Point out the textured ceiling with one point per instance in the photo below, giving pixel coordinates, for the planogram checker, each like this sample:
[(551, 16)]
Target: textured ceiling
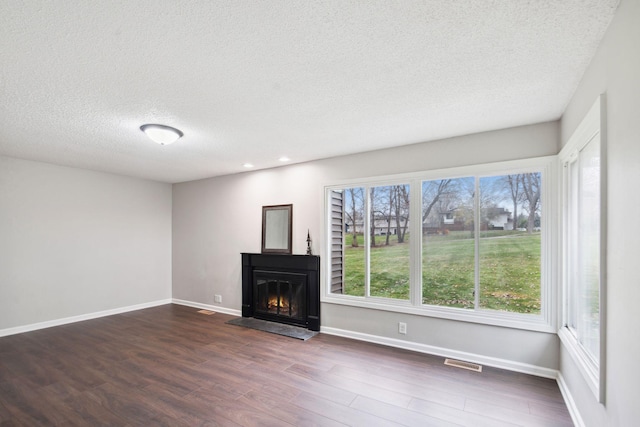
[(251, 81)]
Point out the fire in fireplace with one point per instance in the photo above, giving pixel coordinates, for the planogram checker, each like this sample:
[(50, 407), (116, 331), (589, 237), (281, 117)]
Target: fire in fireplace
[(280, 294)]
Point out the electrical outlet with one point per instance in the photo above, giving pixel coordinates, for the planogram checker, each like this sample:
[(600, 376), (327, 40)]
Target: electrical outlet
[(402, 328), (217, 298)]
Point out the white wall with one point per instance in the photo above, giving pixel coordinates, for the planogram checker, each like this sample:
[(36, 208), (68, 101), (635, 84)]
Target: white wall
[(74, 242), (615, 70), (216, 219)]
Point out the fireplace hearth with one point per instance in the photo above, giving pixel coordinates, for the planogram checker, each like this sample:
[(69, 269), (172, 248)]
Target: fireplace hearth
[(282, 288)]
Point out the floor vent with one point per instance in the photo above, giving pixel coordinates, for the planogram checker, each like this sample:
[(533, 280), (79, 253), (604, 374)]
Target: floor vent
[(464, 365), (207, 312)]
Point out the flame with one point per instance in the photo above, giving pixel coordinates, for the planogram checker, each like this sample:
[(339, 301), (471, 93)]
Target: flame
[(284, 307), (274, 303)]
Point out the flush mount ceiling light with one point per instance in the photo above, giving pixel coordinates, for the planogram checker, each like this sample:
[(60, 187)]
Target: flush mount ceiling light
[(163, 135), (284, 159)]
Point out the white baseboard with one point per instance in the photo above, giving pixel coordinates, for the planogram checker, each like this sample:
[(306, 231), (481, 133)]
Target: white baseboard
[(80, 318), (217, 308), (568, 399), (445, 352)]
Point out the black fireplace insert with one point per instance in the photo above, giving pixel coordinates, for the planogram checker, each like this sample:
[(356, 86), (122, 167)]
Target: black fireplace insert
[(282, 288)]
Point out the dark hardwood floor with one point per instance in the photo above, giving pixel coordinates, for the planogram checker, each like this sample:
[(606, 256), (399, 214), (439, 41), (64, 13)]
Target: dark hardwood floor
[(172, 366)]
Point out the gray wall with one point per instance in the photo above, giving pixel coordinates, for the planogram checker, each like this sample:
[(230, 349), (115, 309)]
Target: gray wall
[(616, 71), (216, 219), (74, 242)]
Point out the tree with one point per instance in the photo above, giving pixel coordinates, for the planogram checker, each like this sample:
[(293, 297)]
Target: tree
[(531, 188), (431, 193), (489, 213), (512, 184), (372, 228), (354, 211), (390, 207), (389, 203), (401, 198)]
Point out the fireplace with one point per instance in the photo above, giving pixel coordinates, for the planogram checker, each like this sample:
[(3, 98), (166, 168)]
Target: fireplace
[(282, 288)]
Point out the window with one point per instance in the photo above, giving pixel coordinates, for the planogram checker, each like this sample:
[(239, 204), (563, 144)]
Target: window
[(478, 256), (448, 242), (510, 242), (489, 245), (379, 233), (583, 266), (389, 253)]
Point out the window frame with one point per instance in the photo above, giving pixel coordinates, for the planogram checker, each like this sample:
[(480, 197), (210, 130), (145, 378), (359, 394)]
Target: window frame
[(592, 126), (544, 322)]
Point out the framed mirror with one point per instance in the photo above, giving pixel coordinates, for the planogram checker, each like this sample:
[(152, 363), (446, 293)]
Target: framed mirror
[(276, 229)]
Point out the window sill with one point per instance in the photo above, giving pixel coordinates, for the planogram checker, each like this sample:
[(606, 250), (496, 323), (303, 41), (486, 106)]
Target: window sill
[(535, 323)]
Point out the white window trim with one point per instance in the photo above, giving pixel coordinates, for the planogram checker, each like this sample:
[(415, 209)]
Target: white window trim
[(546, 321), (593, 125)]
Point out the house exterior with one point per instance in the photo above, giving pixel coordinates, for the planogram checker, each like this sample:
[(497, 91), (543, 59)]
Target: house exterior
[(497, 219), (382, 227)]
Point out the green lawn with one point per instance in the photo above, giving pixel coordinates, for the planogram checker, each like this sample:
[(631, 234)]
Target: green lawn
[(509, 270)]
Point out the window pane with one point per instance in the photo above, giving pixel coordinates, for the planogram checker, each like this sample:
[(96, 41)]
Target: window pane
[(448, 246), (353, 242), (389, 242), (572, 232), (588, 293), (509, 244)]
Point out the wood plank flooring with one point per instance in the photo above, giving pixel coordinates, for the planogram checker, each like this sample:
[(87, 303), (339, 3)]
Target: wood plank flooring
[(172, 366)]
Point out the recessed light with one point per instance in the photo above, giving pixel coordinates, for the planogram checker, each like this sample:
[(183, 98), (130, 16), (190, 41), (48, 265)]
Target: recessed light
[(163, 135), (248, 165), (284, 159)]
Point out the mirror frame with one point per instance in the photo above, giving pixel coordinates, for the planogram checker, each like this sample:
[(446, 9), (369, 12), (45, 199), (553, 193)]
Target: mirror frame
[(269, 227)]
